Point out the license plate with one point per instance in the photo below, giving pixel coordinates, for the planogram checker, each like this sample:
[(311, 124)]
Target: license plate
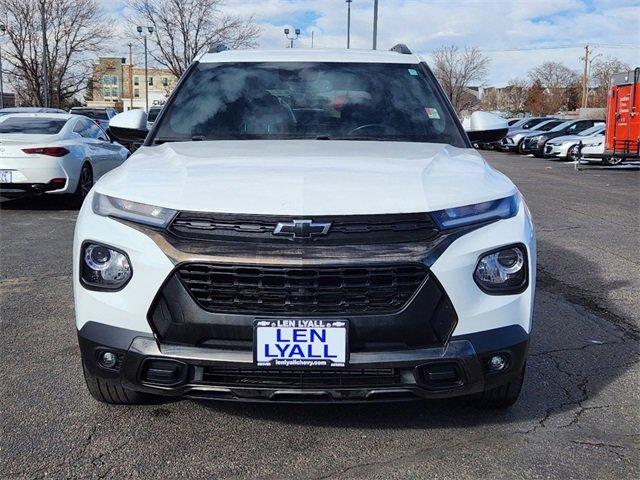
[(5, 176), (300, 343)]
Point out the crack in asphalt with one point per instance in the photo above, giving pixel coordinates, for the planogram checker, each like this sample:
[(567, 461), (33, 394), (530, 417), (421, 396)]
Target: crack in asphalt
[(579, 296)]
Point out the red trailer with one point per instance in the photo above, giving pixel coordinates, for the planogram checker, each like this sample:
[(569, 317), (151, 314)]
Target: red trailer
[(622, 135)]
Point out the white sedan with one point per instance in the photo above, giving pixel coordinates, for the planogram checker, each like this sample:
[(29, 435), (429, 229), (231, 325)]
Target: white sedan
[(562, 147), (54, 154)]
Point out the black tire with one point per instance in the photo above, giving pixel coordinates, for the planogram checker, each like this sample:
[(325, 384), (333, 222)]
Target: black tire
[(85, 182), (537, 154), (572, 154), (612, 161), (112, 392), (520, 147), (504, 396)]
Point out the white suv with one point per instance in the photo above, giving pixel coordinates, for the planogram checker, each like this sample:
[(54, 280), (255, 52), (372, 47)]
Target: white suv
[(305, 226)]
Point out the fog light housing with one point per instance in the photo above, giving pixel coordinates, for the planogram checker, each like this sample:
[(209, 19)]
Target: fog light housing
[(497, 363), (103, 267), (108, 359), (502, 271)]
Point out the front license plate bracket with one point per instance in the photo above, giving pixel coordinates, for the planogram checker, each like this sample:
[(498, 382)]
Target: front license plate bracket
[(300, 343)]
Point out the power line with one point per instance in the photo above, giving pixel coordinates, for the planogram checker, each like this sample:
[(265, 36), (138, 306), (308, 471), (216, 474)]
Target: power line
[(560, 47)]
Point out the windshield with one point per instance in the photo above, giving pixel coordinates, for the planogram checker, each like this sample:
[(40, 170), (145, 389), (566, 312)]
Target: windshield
[(562, 126), (347, 101), (592, 131), (30, 125), (93, 114), (548, 125)]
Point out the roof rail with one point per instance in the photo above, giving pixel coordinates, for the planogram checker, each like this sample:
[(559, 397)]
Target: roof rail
[(401, 48), (217, 48)]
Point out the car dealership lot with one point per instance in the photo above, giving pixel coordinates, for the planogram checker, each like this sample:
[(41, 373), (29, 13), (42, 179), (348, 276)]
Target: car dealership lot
[(577, 417)]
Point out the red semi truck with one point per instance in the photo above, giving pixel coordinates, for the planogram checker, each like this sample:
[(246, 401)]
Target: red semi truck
[(622, 135)]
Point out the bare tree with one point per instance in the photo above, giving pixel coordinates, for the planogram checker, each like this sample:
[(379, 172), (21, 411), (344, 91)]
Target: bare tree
[(457, 70), (514, 95), (75, 29), (185, 28), (601, 72), (508, 99), (558, 82)]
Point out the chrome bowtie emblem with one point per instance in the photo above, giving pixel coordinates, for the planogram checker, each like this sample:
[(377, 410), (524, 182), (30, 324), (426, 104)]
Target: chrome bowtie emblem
[(301, 229)]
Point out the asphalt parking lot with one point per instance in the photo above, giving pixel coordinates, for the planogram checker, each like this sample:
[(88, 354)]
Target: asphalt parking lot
[(578, 416)]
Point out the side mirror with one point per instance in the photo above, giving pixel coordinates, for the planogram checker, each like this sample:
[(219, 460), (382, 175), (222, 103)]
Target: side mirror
[(129, 127), (487, 127)]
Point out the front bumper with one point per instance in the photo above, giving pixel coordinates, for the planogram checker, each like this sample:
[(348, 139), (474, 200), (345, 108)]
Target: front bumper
[(555, 151), (458, 368)]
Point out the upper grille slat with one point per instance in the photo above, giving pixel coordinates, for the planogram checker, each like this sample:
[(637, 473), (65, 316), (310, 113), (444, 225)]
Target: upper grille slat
[(344, 230), (301, 290)]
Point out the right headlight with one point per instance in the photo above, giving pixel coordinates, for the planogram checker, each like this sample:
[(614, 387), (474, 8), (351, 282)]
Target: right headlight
[(502, 271), (107, 206), (103, 267)]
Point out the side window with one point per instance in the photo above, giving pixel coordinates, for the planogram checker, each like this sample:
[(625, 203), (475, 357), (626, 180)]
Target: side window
[(93, 130), (82, 127)]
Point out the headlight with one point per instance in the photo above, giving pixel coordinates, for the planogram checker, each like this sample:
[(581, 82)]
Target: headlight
[(535, 138), (134, 211), (477, 213), (593, 144), (503, 271), (103, 267)]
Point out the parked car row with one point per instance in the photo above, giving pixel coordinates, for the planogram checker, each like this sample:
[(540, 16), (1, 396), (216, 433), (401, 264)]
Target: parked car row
[(550, 137)]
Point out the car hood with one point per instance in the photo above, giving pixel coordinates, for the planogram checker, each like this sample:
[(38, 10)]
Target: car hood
[(306, 177), (567, 138)]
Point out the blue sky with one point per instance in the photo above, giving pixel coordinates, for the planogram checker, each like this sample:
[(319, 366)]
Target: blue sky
[(496, 26)]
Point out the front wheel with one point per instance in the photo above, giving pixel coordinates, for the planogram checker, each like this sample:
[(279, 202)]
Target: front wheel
[(503, 396), (111, 391), (572, 154)]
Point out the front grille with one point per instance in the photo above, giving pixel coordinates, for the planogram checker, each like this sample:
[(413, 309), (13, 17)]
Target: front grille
[(370, 377), (344, 230), (301, 290)]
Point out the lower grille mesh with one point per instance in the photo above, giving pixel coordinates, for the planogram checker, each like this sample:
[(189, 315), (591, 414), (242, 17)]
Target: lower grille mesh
[(301, 290), (301, 378)]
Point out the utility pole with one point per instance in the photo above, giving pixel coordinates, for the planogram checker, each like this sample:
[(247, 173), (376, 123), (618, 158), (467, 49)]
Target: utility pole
[(585, 79), (349, 23), (3, 29), (375, 24), (45, 67), (130, 75), (312, 33)]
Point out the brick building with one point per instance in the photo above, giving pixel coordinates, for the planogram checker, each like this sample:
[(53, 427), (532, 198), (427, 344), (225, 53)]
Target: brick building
[(117, 84)]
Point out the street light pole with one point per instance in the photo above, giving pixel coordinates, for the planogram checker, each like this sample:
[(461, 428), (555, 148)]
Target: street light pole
[(45, 66), (130, 75), (146, 69), (375, 24), (3, 29), (348, 23), (291, 39)]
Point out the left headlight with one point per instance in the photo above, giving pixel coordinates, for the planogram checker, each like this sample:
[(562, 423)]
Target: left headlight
[(107, 206), (477, 213), (503, 271), (103, 267)]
